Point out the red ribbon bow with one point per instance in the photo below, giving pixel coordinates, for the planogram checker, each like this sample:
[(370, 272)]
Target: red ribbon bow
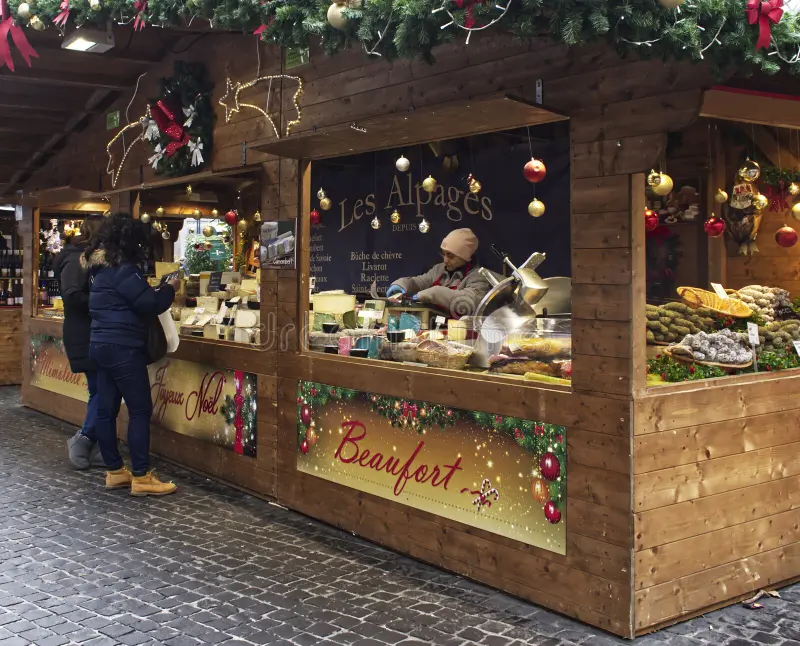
[(7, 26), (165, 120), (764, 13), (61, 19), (140, 6)]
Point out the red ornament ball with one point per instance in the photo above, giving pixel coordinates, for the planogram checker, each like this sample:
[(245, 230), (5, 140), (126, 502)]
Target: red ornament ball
[(315, 217), (551, 512), (535, 171), (305, 415), (714, 227), (786, 236), (304, 447), (650, 220), (313, 392), (231, 217), (550, 466)]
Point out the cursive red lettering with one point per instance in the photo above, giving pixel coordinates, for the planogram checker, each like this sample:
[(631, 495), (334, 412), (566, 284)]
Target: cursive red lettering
[(452, 469), (404, 475), (351, 426), (205, 400)]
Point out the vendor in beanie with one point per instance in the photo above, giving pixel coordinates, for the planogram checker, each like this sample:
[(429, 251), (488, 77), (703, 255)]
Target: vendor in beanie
[(455, 285)]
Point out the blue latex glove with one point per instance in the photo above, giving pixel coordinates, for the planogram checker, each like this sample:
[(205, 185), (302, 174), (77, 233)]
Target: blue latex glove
[(394, 289)]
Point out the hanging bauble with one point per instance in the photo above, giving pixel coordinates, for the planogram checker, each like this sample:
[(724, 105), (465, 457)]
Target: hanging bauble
[(37, 23), (551, 512), (257, 216), (208, 231), (664, 187), (796, 211), (714, 227), (671, 4), (160, 210), (402, 164), (188, 189), (315, 217), (376, 223), (336, 18), (539, 490), (720, 197), (430, 185), (231, 217), (95, 5), (325, 204), (473, 184), (786, 236), (305, 415), (550, 466), (794, 188), (650, 220), (311, 436), (536, 208), (749, 171), (242, 225), (760, 202), (653, 178), (304, 447), (321, 195), (535, 170), (208, 246), (395, 216), (145, 218), (424, 226), (24, 10), (166, 235)]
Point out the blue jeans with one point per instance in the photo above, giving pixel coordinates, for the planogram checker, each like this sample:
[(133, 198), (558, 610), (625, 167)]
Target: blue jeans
[(122, 374), (91, 406)]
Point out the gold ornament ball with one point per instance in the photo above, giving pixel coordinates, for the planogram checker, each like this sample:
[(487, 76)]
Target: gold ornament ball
[(95, 5), (402, 164), (430, 185), (257, 216), (395, 217), (424, 226), (24, 10), (664, 187), (536, 208), (242, 225), (37, 24), (720, 197), (208, 231), (750, 171), (671, 4), (794, 188), (145, 218), (166, 235), (474, 186), (321, 194), (325, 204), (376, 223), (653, 178), (208, 246), (760, 202), (796, 211), (160, 210), (335, 17)]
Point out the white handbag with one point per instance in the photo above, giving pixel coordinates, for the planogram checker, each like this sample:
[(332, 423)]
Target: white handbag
[(170, 331)]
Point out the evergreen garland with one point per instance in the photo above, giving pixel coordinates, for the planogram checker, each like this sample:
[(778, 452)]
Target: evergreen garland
[(413, 30), (198, 258)]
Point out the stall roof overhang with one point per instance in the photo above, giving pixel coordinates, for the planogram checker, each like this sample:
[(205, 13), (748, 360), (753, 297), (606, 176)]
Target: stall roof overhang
[(751, 106), (432, 123)]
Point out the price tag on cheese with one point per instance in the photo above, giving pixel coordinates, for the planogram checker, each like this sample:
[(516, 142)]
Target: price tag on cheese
[(752, 333), (440, 320), (199, 310), (796, 347), (719, 290)]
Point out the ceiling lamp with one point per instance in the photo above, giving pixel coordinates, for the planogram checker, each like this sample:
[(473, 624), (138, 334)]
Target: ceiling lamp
[(86, 39)]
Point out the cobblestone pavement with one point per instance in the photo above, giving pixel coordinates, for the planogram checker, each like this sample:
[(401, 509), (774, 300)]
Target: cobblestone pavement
[(79, 565)]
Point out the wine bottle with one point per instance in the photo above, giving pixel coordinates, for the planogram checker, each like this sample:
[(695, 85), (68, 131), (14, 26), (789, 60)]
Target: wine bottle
[(19, 263), (3, 295)]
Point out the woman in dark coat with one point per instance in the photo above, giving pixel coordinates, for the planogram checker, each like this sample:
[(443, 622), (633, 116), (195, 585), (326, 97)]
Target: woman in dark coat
[(74, 282)]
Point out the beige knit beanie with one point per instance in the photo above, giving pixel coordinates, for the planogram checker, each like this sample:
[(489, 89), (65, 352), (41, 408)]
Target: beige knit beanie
[(461, 242)]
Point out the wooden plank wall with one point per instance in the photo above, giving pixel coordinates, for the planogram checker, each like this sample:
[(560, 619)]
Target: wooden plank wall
[(620, 111), (717, 494), (10, 346)]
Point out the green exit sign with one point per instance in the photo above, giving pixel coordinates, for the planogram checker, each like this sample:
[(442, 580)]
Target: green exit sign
[(296, 56), (112, 120)]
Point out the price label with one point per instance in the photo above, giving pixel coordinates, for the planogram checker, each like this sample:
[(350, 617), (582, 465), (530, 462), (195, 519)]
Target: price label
[(719, 290), (752, 333), (796, 347), (440, 320), (199, 310)]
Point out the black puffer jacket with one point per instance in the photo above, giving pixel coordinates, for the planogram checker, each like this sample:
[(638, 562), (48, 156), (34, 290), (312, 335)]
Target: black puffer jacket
[(74, 281)]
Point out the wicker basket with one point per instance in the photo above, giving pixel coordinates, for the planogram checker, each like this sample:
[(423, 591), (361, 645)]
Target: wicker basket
[(695, 298), (454, 361)]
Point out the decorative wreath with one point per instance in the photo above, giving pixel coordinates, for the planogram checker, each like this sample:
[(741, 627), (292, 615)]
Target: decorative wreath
[(179, 124)]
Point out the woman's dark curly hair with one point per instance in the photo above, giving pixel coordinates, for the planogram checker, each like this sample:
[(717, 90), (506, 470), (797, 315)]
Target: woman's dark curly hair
[(122, 238)]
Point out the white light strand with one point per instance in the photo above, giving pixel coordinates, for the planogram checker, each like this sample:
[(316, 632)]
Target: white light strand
[(649, 43), (503, 11), (373, 51)]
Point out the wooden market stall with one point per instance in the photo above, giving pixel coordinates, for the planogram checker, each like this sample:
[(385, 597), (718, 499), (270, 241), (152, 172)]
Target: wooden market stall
[(658, 478)]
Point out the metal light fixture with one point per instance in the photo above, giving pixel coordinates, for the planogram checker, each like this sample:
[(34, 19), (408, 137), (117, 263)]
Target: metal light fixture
[(86, 39)]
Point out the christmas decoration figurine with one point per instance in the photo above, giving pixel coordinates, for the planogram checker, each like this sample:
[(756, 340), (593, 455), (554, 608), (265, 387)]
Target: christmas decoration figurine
[(535, 171), (786, 236)]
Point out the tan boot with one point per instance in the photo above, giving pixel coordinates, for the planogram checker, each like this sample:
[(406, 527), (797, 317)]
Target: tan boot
[(150, 485), (118, 479)]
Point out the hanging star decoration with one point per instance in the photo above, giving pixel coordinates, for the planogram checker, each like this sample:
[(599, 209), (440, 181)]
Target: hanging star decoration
[(230, 100)]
